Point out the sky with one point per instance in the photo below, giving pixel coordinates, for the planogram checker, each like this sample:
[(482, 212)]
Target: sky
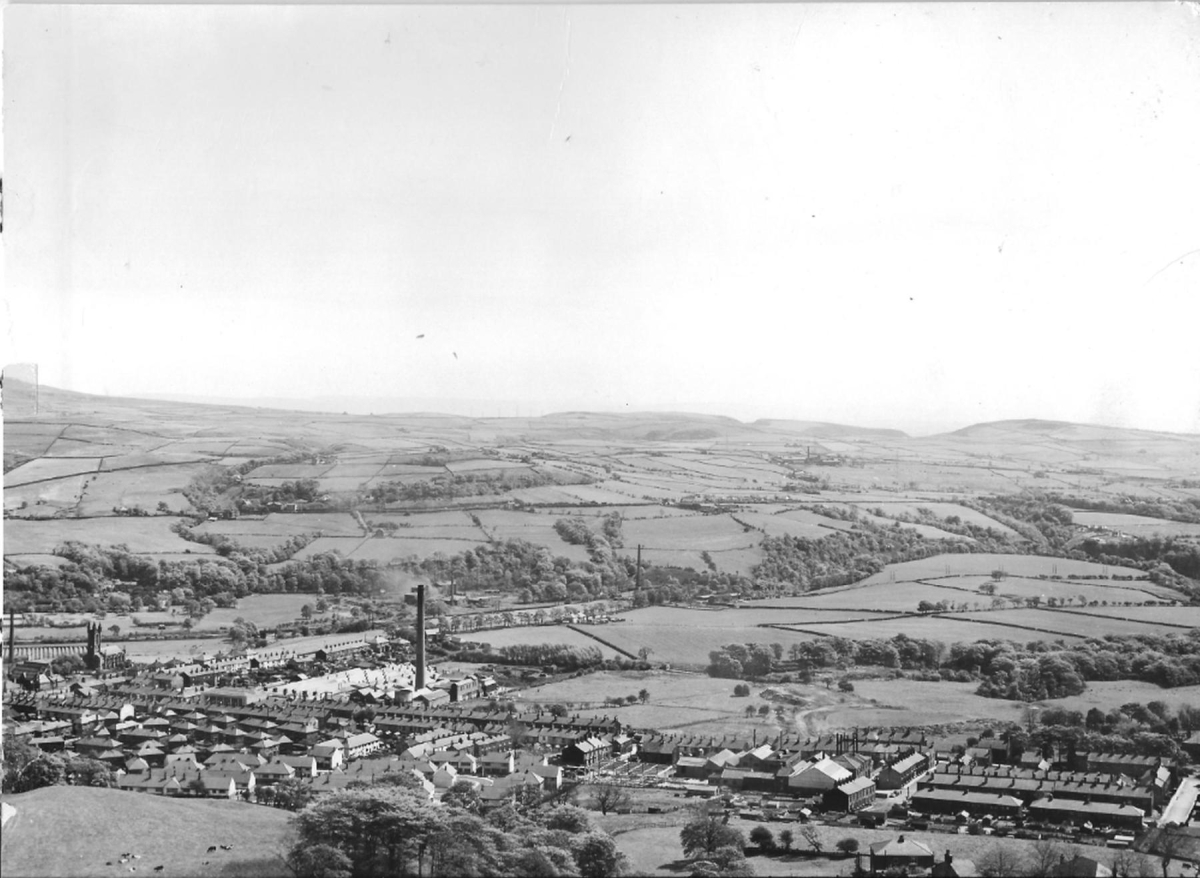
[(908, 215)]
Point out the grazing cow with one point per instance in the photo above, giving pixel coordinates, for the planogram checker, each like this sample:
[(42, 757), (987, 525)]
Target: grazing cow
[(212, 849), (226, 847), (158, 868)]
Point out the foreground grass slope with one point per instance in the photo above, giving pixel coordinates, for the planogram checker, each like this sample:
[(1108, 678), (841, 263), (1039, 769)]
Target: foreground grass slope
[(77, 830)]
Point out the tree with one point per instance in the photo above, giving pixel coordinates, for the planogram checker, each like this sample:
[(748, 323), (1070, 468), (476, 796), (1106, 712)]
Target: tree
[(762, 838), (463, 795), (30, 769), (608, 795), (644, 695), (292, 793), (764, 710), (845, 685), (706, 833), (787, 839), (306, 612), (999, 861), (569, 818), (114, 630), (810, 834), (1047, 853), (558, 710), (597, 856), (847, 845), (84, 772), (741, 690), (381, 830), (318, 861)]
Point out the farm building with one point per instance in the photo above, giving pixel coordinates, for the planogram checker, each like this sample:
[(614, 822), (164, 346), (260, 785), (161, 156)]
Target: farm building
[(900, 853), (854, 795)]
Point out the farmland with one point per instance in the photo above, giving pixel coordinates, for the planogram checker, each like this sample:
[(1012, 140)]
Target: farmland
[(77, 830), (711, 502)]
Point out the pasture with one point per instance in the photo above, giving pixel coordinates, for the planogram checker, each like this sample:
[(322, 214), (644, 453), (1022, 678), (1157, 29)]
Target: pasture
[(679, 702), (501, 637), (139, 534), (1067, 623), (68, 830), (984, 564), (264, 610), (1136, 525), (45, 468)]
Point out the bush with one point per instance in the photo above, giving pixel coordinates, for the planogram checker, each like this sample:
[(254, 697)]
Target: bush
[(848, 845), (845, 685)]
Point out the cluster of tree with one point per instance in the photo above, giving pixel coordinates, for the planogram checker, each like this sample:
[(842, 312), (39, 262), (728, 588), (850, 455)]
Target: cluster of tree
[(1033, 671), (533, 572), (390, 829), (1003, 860), (1185, 509), (28, 768), (1180, 555), (452, 485), (216, 488), (1045, 523), (715, 847), (302, 490), (845, 556), (113, 579), (226, 545), (1152, 729), (560, 655)]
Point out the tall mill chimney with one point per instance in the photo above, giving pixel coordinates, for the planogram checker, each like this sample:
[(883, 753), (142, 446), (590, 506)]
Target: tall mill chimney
[(421, 636)]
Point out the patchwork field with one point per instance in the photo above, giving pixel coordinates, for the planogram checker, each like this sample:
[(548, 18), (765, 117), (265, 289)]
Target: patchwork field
[(139, 534)]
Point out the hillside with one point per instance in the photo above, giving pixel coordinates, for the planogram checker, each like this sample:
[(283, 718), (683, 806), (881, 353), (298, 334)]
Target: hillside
[(66, 830)]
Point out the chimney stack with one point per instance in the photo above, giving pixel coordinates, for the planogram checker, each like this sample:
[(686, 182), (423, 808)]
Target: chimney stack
[(420, 684)]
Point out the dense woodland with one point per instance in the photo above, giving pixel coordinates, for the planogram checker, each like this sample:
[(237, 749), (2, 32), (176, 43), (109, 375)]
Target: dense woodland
[(1031, 672)]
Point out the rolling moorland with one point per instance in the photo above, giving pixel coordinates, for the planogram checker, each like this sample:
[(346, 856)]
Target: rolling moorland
[(856, 577)]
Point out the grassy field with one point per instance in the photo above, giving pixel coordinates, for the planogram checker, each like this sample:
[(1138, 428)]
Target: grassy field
[(78, 830), (1068, 623), (950, 629), (1137, 525), (139, 534), (264, 610), (43, 499), (1013, 565), (538, 634), (1110, 694), (679, 702), (50, 468)]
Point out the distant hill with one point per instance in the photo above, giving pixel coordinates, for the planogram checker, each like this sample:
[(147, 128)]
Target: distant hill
[(65, 830), (1065, 430), (819, 430)]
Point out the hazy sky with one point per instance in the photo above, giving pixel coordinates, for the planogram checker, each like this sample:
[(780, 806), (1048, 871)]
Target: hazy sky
[(906, 215)]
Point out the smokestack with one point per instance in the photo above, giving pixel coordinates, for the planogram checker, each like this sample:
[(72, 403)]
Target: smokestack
[(420, 636)]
